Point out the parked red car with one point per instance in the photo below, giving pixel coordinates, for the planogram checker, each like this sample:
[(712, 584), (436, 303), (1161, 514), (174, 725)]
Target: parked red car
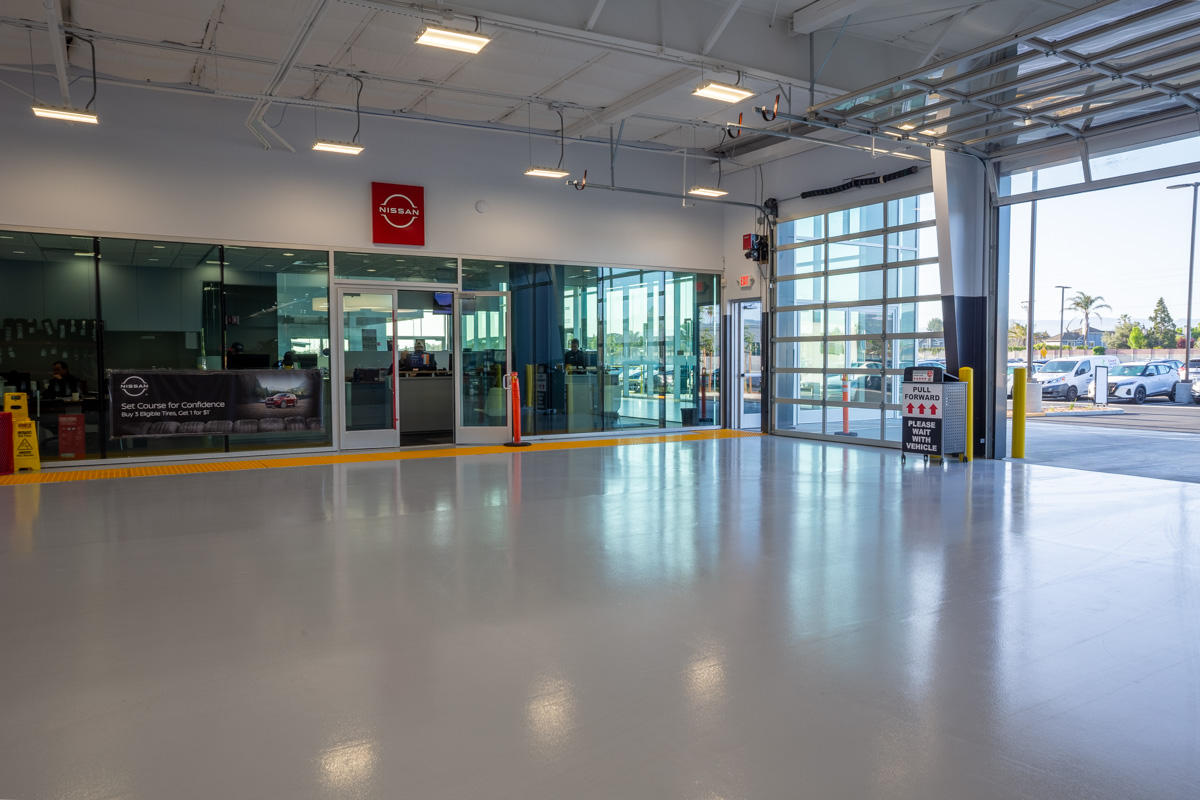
[(281, 400)]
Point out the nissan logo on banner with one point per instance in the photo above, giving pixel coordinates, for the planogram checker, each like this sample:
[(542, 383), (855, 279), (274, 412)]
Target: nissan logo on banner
[(398, 214)]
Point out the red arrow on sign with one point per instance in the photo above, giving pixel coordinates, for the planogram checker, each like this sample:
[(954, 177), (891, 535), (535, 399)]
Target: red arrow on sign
[(910, 408), (921, 408), (932, 409)]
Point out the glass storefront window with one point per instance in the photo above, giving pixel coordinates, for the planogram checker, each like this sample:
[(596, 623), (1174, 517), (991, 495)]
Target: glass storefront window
[(277, 306), (485, 276), (48, 343), (406, 268), (162, 311)]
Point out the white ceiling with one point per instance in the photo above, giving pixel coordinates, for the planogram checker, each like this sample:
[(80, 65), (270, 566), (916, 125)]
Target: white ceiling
[(638, 63)]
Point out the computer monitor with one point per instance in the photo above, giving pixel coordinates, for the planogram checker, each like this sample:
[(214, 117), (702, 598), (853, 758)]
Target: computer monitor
[(443, 302)]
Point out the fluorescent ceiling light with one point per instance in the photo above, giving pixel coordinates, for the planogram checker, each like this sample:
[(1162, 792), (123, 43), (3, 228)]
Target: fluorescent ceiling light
[(347, 148), (721, 91), (452, 40), (707, 191), (68, 114), (546, 172)]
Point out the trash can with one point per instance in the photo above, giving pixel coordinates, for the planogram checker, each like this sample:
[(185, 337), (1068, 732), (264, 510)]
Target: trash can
[(933, 410), (688, 417)]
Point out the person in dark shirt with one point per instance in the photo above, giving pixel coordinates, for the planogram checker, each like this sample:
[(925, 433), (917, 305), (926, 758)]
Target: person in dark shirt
[(419, 359), (62, 383), (575, 358)]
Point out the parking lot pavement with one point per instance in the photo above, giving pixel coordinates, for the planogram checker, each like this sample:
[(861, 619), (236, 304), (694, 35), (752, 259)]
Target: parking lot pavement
[(1156, 414), (1131, 450)]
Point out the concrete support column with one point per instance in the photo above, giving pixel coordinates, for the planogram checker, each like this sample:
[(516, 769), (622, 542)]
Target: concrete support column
[(962, 207)]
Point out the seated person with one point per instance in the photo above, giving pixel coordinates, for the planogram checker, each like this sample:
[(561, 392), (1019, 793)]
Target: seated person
[(62, 384), (575, 359), (417, 358)]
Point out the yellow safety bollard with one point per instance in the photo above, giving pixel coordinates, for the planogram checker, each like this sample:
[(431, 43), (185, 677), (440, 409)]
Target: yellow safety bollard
[(967, 376), (1018, 436)]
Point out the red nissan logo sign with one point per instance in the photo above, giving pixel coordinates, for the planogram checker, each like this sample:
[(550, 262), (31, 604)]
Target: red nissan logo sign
[(398, 214)]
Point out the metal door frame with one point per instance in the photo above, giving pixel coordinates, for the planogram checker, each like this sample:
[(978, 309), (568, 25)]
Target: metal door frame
[(471, 434), (358, 440)]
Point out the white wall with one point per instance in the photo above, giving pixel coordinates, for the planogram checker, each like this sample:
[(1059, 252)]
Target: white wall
[(786, 179), (182, 166)]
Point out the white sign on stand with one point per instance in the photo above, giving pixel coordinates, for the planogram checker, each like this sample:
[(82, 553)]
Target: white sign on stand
[(921, 410), (1101, 391)]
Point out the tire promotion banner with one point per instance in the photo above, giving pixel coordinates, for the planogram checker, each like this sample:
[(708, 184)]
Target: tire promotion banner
[(215, 403)]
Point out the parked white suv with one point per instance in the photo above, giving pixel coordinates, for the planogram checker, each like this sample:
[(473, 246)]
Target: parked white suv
[(1069, 378), (1137, 380)]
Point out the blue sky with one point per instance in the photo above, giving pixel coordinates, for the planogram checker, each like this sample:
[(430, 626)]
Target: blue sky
[(1129, 244)]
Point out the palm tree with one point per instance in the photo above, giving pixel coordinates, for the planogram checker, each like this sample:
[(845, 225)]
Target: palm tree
[(1087, 305), (1016, 335)]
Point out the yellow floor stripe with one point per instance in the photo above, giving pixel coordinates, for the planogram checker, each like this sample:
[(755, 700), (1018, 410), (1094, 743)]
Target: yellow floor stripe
[(60, 476)]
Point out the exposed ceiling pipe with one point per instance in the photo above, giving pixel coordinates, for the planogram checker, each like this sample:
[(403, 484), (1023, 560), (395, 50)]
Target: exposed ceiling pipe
[(58, 47), (255, 120)]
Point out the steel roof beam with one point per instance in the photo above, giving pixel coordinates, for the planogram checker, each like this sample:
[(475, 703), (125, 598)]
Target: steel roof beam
[(59, 49), (1018, 38), (1119, 51), (721, 25)]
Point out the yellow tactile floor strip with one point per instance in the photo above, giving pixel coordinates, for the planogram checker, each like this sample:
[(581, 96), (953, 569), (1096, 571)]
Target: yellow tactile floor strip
[(60, 476)]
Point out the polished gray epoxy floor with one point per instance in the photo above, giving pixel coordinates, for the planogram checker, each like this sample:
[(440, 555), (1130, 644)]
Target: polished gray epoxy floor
[(756, 618)]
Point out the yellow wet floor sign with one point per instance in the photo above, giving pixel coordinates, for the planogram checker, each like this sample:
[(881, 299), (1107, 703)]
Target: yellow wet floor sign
[(16, 404), (25, 446)]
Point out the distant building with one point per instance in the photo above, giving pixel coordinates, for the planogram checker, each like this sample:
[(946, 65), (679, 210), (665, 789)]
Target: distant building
[(1074, 338)]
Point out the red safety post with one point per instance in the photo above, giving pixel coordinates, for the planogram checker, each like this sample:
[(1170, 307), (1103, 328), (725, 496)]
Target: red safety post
[(516, 412), (703, 398), (8, 462)]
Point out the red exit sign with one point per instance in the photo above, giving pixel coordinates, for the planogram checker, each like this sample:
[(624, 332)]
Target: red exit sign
[(745, 281)]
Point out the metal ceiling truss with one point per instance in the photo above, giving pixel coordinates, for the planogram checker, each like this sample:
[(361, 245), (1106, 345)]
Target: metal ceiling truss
[(1031, 91)]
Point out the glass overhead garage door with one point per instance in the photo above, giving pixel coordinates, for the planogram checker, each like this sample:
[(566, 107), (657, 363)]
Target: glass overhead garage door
[(857, 299)]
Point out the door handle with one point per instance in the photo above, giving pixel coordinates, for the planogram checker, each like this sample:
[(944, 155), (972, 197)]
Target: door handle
[(506, 381)]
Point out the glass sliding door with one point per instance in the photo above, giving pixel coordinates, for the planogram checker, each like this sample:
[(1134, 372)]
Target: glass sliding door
[(368, 369), (484, 404)]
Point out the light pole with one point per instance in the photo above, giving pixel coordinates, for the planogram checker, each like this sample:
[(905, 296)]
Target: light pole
[(1062, 308), (1187, 332)]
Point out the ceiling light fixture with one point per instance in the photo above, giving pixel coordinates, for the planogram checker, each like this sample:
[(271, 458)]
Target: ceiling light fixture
[(707, 191), (66, 114), (722, 91), (453, 40), (346, 148), (546, 172), (352, 147), (551, 172)]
